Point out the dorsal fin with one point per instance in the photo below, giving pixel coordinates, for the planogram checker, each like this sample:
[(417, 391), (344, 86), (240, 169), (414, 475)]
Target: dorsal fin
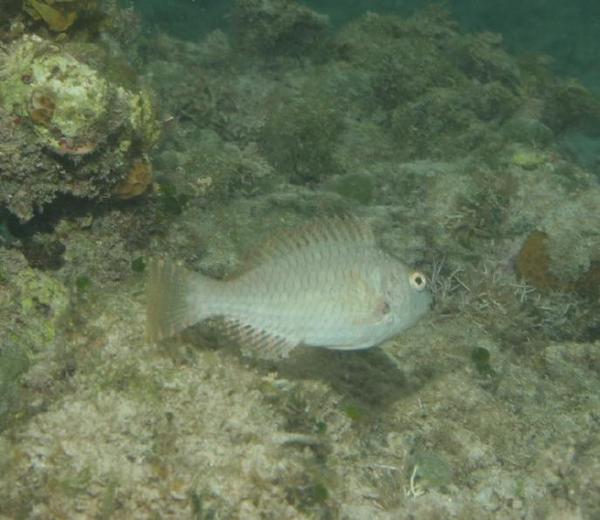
[(343, 230)]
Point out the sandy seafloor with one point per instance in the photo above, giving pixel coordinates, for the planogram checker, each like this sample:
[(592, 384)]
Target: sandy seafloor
[(457, 153)]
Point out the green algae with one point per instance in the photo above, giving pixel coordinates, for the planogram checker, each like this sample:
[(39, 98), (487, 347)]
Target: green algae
[(356, 186), (133, 381), (43, 302), (83, 283), (14, 363), (528, 159), (354, 412), (299, 137), (138, 264)]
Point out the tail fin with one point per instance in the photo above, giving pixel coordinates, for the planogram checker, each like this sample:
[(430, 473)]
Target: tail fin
[(169, 306)]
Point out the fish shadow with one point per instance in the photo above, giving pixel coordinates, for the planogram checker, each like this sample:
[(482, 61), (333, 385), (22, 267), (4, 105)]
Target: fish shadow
[(367, 380)]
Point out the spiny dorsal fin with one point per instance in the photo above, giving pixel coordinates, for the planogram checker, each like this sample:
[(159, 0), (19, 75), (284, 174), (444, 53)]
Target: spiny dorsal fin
[(342, 230)]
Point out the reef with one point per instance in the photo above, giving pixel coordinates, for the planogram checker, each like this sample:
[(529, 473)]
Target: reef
[(272, 28), (476, 165)]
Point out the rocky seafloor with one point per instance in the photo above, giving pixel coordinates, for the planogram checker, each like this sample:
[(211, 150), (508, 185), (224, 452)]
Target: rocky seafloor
[(468, 162)]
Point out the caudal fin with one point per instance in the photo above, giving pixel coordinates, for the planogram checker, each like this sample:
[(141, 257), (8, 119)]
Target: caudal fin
[(168, 290)]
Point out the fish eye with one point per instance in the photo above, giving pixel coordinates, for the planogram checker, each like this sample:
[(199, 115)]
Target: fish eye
[(417, 280)]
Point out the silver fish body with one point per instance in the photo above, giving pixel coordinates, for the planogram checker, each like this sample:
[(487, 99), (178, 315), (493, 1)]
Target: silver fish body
[(328, 285)]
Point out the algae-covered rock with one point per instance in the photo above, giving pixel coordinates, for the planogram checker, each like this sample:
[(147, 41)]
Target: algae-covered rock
[(70, 104), (13, 364), (355, 186), (298, 138), (277, 27), (65, 100), (8, 9), (440, 92), (42, 301), (68, 127), (33, 306), (33, 303)]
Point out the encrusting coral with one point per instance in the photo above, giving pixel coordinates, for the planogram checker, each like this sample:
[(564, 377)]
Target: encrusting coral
[(533, 263), (69, 128)]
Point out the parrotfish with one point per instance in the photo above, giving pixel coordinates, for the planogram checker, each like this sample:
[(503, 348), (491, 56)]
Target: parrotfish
[(326, 285)]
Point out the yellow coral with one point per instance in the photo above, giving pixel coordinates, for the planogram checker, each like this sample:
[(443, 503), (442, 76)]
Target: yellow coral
[(56, 19), (137, 181), (528, 159)]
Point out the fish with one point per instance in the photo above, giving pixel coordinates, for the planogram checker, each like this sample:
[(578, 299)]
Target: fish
[(326, 285)]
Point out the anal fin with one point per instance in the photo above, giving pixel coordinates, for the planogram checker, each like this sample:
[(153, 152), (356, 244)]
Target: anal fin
[(258, 342)]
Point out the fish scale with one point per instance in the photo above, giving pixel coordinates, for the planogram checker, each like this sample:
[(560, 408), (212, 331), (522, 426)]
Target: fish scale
[(326, 285)]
